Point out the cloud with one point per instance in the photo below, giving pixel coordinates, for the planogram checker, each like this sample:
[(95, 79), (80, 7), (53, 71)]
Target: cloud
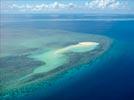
[(57, 6), (28, 7), (104, 4), (43, 7)]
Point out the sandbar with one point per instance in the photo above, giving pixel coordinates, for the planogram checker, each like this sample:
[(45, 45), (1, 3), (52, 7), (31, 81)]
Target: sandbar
[(57, 57)]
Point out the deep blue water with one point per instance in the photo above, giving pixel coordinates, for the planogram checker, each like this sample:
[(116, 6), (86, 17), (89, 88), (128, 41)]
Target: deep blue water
[(111, 79)]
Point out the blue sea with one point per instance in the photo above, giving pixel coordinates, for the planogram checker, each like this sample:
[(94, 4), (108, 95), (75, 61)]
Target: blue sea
[(110, 77)]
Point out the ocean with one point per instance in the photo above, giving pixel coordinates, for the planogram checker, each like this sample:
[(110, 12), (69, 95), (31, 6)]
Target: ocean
[(110, 77)]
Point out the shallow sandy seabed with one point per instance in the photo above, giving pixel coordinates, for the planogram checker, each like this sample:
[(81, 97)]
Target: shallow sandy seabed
[(57, 58)]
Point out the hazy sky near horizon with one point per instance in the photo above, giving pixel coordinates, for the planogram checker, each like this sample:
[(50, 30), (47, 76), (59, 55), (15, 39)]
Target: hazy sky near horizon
[(67, 6)]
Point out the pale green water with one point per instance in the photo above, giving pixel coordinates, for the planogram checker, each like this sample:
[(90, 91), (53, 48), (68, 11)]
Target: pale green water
[(56, 58), (52, 61)]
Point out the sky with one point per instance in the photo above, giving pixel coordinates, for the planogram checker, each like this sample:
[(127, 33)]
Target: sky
[(67, 6)]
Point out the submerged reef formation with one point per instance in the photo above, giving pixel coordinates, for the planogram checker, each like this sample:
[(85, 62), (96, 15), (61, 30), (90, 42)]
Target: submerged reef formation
[(40, 55)]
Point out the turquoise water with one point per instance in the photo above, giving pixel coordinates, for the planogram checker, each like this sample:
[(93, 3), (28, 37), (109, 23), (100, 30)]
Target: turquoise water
[(109, 77)]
